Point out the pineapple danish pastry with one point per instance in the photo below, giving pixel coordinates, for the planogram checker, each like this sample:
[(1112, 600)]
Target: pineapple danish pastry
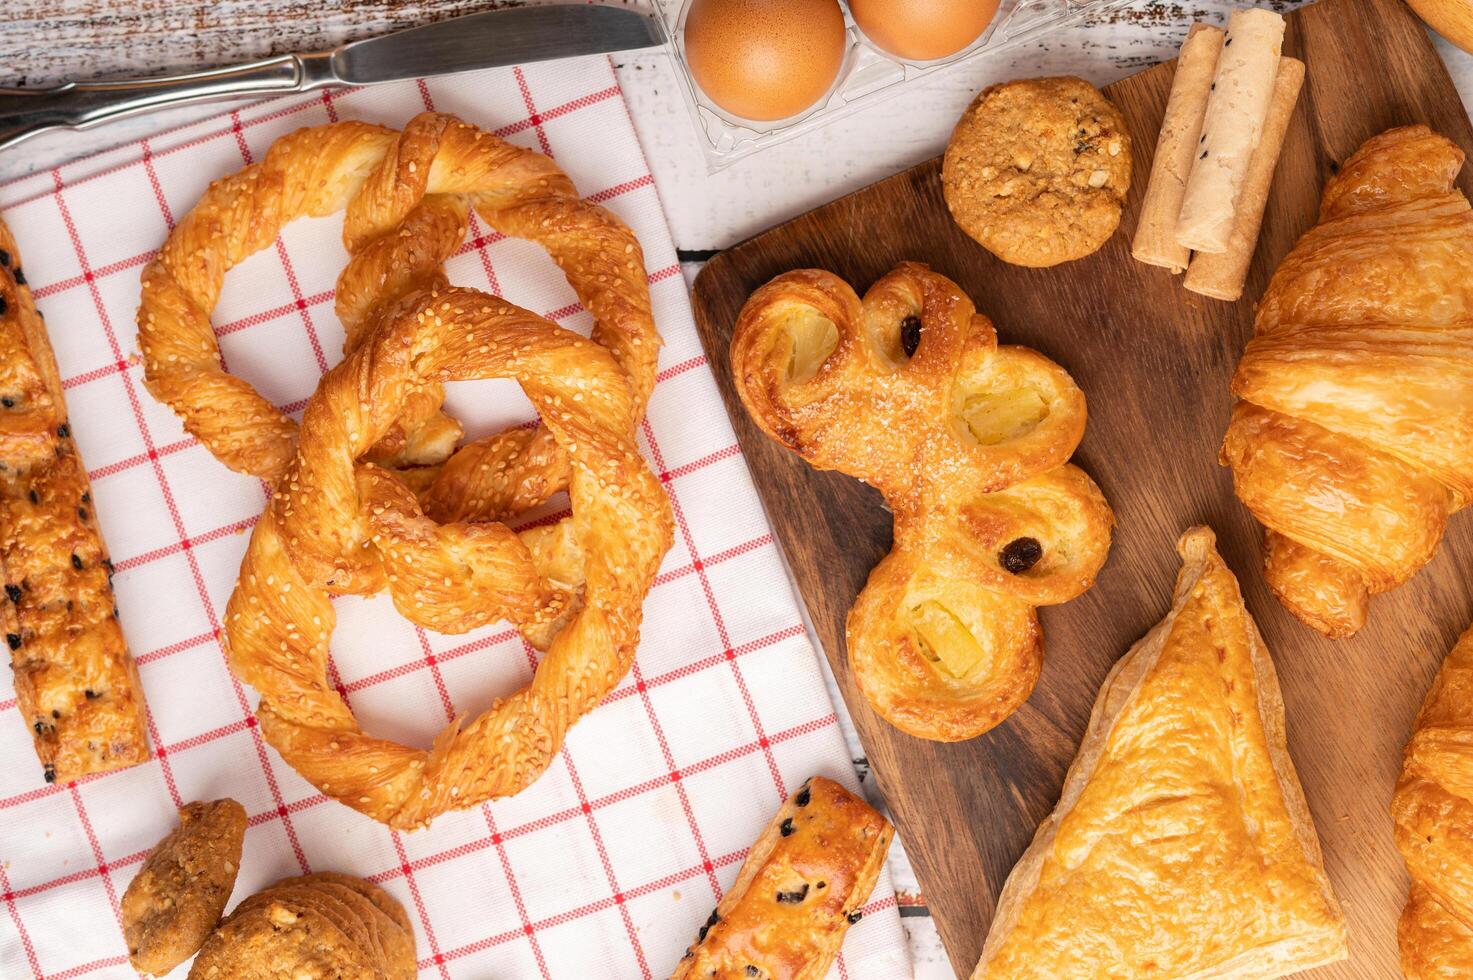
[(969, 442)]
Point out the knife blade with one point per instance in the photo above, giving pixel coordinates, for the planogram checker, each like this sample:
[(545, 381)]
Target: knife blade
[(489, 39), (495, 38)]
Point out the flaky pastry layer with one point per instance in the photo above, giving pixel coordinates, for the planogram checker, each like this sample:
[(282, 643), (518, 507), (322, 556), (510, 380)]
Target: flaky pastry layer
[(1182, 846)]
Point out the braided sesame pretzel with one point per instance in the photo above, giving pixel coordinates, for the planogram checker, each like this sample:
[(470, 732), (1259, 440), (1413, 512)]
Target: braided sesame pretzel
[(360, 488), (909, 391), (406, 197), (328, 505)]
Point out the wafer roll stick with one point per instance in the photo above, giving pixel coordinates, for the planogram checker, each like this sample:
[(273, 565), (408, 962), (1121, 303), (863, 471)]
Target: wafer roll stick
[(1222, 276), (1241, 91), (1176, 146)]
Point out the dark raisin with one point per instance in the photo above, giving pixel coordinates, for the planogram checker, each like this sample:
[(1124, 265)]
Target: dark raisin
[(7, 402), (1020, 554), (90, 693), (803, 797), (12, 592), (752, 971), (49, 773), (33, 497), (854, 916), (3, 306), (81, 513), (910, 335), (1084, 148), (793, 897), (86, 498), (20, 277), (55, 714), (822, 884), (4, 258), (63, 431), (40, 727), (786, 827), (76, 562), (1334, 167), (13, 639)]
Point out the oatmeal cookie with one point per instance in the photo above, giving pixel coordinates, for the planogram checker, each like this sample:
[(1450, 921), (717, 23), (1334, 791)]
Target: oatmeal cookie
[(321, 926), (173, 904), (1037, 170)]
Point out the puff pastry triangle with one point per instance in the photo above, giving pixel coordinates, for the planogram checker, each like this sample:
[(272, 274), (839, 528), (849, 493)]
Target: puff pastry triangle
[(1182, 846)]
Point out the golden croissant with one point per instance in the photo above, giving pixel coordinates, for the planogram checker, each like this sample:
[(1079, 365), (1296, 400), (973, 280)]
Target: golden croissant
[(1433, 810), (910, 391), (1353, 439)]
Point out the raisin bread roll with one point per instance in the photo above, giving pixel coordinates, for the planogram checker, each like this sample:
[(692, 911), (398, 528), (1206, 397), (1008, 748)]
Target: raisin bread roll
[(798, 891)]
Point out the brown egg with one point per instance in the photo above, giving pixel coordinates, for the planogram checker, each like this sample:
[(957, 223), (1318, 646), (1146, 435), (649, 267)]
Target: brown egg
[(765, 59), (922, 30)]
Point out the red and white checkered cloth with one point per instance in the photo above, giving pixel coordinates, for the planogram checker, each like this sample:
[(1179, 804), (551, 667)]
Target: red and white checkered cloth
[(608, 864)]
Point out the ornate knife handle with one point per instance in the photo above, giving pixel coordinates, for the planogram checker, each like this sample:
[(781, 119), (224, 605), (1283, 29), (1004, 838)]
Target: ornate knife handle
[(79, 105)]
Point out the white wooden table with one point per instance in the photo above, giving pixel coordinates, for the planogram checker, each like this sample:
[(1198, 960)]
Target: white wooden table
[(707, 211)]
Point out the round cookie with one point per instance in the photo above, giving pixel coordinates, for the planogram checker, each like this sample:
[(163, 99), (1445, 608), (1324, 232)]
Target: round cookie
[(1037, 170), (323, 926)]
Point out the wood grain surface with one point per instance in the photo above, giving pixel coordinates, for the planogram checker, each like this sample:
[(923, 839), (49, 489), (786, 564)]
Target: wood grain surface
[(1155, 362)]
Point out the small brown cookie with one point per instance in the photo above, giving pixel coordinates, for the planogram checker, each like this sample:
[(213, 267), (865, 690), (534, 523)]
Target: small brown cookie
[(325, 926), (180, 892), (1037, 170)]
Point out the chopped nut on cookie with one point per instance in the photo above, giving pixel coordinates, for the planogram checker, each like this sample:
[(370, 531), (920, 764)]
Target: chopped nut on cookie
[(1037, 170)]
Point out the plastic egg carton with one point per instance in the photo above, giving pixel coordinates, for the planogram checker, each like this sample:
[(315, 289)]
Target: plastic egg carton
[(867, 76)]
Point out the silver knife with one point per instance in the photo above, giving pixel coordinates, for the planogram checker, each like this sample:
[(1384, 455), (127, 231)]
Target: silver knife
[(486, 40)]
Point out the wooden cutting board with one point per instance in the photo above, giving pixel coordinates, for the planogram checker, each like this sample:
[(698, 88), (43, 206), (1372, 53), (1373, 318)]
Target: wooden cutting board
[(1154, 361)]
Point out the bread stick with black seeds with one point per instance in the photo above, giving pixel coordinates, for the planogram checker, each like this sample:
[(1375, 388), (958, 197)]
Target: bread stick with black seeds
[(76, 685), (797, 893)]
